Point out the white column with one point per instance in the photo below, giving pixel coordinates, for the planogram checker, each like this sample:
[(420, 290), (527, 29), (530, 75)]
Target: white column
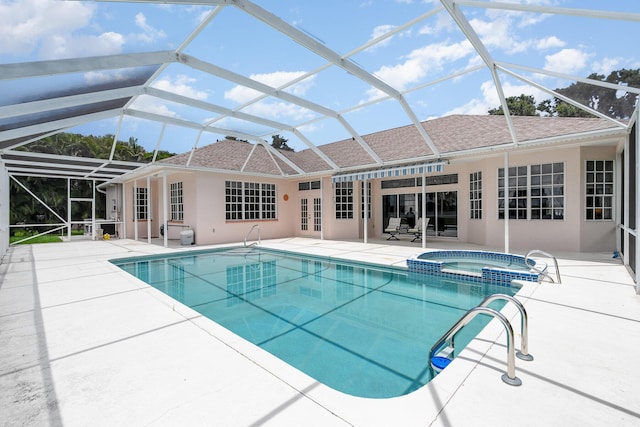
[(69, 212), (424, 209), (135, 210), (636, 171), (506, 202), (149, 210), (123, 212), (321, 209), (164, 210), (365, 194)]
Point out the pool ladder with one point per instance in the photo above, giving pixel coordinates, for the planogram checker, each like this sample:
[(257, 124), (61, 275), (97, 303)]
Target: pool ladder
[(510, 376), (249, 233), (545, 274)]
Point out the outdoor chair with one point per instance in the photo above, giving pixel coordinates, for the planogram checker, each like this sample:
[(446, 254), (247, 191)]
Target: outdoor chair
[(417, 230), (393, 228)]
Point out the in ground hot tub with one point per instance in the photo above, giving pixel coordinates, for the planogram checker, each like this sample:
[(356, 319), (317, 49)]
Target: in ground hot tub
[(480, 266)]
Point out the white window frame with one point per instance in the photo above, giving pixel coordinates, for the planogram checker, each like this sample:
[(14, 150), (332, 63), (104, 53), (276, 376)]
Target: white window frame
[(475, 195), (250, 201), (141, 203), (176, 204), (599, 190), (344, 200)]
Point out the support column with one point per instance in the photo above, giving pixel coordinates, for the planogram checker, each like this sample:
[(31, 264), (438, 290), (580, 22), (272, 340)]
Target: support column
[(165, 227), (365, 202), (423, 208), (506, 202), (149, 210)]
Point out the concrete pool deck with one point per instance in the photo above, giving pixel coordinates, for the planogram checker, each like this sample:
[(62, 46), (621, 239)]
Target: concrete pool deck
[(84, 343)]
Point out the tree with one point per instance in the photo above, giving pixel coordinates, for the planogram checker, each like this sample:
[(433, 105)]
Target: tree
[(280, 143), (611, 102), (523, 105), (52, 191)]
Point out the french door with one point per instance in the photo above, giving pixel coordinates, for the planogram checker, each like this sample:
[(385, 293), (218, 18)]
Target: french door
[(441, 209)]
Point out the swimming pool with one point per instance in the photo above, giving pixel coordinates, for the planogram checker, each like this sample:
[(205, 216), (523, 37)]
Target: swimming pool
[(362, 329)]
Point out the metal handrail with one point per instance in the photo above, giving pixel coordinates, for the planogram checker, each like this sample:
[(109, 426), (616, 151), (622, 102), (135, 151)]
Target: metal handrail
[(523, 353), (544, 273), (249, 233), (510, 376)]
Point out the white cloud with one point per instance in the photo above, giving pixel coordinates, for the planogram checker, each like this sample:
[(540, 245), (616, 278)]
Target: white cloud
[(242, 94), (63, 46), (607, 65), (278, 109), (420, 62), (149, 33), (150, 104), (491, 100), (379, 31), (498, 33), (48, 28), (566, 61), (549, 43), (181, 85)]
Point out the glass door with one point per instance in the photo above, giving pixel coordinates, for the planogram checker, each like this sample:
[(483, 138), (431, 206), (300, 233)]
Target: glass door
[(442, 211), (304, 214)]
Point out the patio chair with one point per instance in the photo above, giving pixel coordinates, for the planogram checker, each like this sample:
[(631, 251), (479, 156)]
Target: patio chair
[(417, 230), (393, 228)]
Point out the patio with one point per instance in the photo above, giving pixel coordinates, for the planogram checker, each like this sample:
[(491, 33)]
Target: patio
[(82, 342)]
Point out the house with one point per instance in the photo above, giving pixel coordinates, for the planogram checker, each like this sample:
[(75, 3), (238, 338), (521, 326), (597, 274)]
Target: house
[(556, 189)]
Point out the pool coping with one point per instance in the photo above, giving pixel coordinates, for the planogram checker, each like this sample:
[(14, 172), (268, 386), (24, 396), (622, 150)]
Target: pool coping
[(75, 371), (354, 409)]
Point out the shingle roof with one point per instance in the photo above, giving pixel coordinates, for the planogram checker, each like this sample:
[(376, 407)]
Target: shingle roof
[(449, 134)]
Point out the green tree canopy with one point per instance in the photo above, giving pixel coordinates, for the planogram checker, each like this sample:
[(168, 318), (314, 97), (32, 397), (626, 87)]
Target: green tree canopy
[(280, 143), (614, 103), (523, 105)]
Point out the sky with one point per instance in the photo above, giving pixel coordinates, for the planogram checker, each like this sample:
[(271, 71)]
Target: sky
[(417, 60)]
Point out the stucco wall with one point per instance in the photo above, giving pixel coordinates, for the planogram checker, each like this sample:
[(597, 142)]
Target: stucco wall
[(204, 207), (527, 234), (597, 236), (211, 224)]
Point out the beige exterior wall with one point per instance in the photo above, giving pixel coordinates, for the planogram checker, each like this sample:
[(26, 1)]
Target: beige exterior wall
[(597, 236), (204, 207)]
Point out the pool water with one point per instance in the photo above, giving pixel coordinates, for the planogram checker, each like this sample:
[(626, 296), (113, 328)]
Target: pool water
[(477, 266), (362, 329)]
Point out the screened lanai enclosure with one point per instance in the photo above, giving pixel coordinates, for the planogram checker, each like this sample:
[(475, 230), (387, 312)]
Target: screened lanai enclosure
[(174, 76)]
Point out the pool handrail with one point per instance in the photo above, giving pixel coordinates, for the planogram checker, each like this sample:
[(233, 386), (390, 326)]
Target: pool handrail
[(523, 353), (510, 376), (540, 271), (249, 233)]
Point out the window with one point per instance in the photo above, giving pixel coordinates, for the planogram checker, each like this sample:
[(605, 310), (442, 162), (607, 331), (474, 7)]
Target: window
[(475, 195), (233, 199), (344, 200), (308, 185), (268, 201), (367, 197), (250, 200), (141, 203), (517, 192), (177, 211), (535, 191), (599, 188), (417, 182), (547, 191)]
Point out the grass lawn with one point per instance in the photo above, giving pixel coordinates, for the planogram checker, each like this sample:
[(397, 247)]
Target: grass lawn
[(40, 239), (45, 238)]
